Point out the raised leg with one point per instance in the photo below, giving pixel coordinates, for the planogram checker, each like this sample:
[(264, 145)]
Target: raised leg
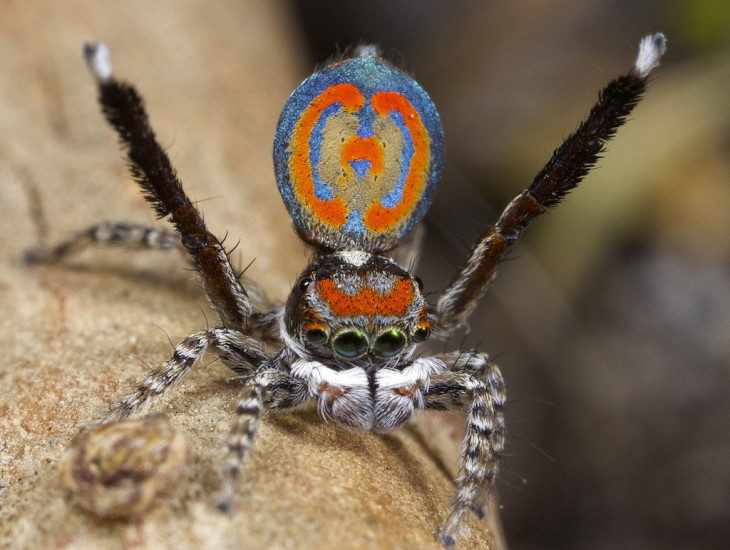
[(474, 385), (107, 234), (151, 167), (566, 168)]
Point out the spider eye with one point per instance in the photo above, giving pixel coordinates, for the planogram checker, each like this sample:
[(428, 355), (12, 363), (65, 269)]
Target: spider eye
[(421, 334), (304, 283), (389, 343), (316, 336), (350, 344)]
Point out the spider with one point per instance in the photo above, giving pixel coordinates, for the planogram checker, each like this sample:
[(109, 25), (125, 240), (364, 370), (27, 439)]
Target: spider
[(357, 154)]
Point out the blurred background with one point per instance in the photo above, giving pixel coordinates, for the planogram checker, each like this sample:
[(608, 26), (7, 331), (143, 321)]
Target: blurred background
[(611, 320)]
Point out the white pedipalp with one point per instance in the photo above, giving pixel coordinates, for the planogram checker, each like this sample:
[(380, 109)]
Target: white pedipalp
[(400, 392), (343, 396)]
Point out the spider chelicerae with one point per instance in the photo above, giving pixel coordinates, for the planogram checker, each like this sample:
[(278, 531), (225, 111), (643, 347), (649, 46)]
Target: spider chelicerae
[(357, 154)]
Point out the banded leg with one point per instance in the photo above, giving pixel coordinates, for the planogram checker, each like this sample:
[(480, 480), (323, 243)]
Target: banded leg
[(240, 441), (106, 234), (265, 325), (241, 353), (124, 110), (483, 400), (273, 389), (569, 164), (443, 395), (244, 355)]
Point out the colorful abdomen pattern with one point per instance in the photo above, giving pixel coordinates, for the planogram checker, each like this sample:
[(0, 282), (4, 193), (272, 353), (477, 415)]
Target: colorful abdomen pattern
[(358, 152)]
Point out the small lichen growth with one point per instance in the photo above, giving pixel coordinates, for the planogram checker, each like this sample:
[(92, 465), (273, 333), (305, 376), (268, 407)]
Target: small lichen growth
[(116, 470)]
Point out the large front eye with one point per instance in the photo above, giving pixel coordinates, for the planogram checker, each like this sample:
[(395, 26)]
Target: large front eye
[(350, 344), (389, 343)]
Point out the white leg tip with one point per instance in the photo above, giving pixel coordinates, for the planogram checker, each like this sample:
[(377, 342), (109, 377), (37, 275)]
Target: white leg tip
[(97, 58), (367, 50), (651, 49)]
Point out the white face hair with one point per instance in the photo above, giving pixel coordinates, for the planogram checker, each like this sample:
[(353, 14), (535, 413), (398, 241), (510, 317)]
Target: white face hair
[(344, 396)]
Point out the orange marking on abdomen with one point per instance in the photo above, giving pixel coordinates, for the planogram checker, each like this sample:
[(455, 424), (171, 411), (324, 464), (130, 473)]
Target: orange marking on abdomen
[(378, 217), (363, 148), (367, 301), (334, 211)]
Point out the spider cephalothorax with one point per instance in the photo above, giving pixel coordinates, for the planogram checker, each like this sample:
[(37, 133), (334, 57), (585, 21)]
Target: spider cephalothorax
[(357, 154), (355, 306), (354, 320)]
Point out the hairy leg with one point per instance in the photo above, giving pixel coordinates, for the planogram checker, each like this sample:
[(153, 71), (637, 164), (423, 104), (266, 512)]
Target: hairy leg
[(240, 352), (107, 234), (475, 386), (269, 388), (124, 110), (567, 167)]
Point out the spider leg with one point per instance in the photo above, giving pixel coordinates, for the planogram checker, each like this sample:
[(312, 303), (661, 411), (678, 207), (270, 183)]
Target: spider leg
[(474, 384), (237, 351), (240, 440), (129, 236), (569, 164), (268, 388), (445, 396), (106, 234), (124, 110), (244, 355)]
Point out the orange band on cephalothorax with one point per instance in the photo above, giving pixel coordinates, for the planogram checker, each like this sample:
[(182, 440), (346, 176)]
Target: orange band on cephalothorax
[(381, 218), (367, 301), (328, 211)]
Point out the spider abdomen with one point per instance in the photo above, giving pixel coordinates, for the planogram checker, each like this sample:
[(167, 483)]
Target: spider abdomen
[(358, 153)]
